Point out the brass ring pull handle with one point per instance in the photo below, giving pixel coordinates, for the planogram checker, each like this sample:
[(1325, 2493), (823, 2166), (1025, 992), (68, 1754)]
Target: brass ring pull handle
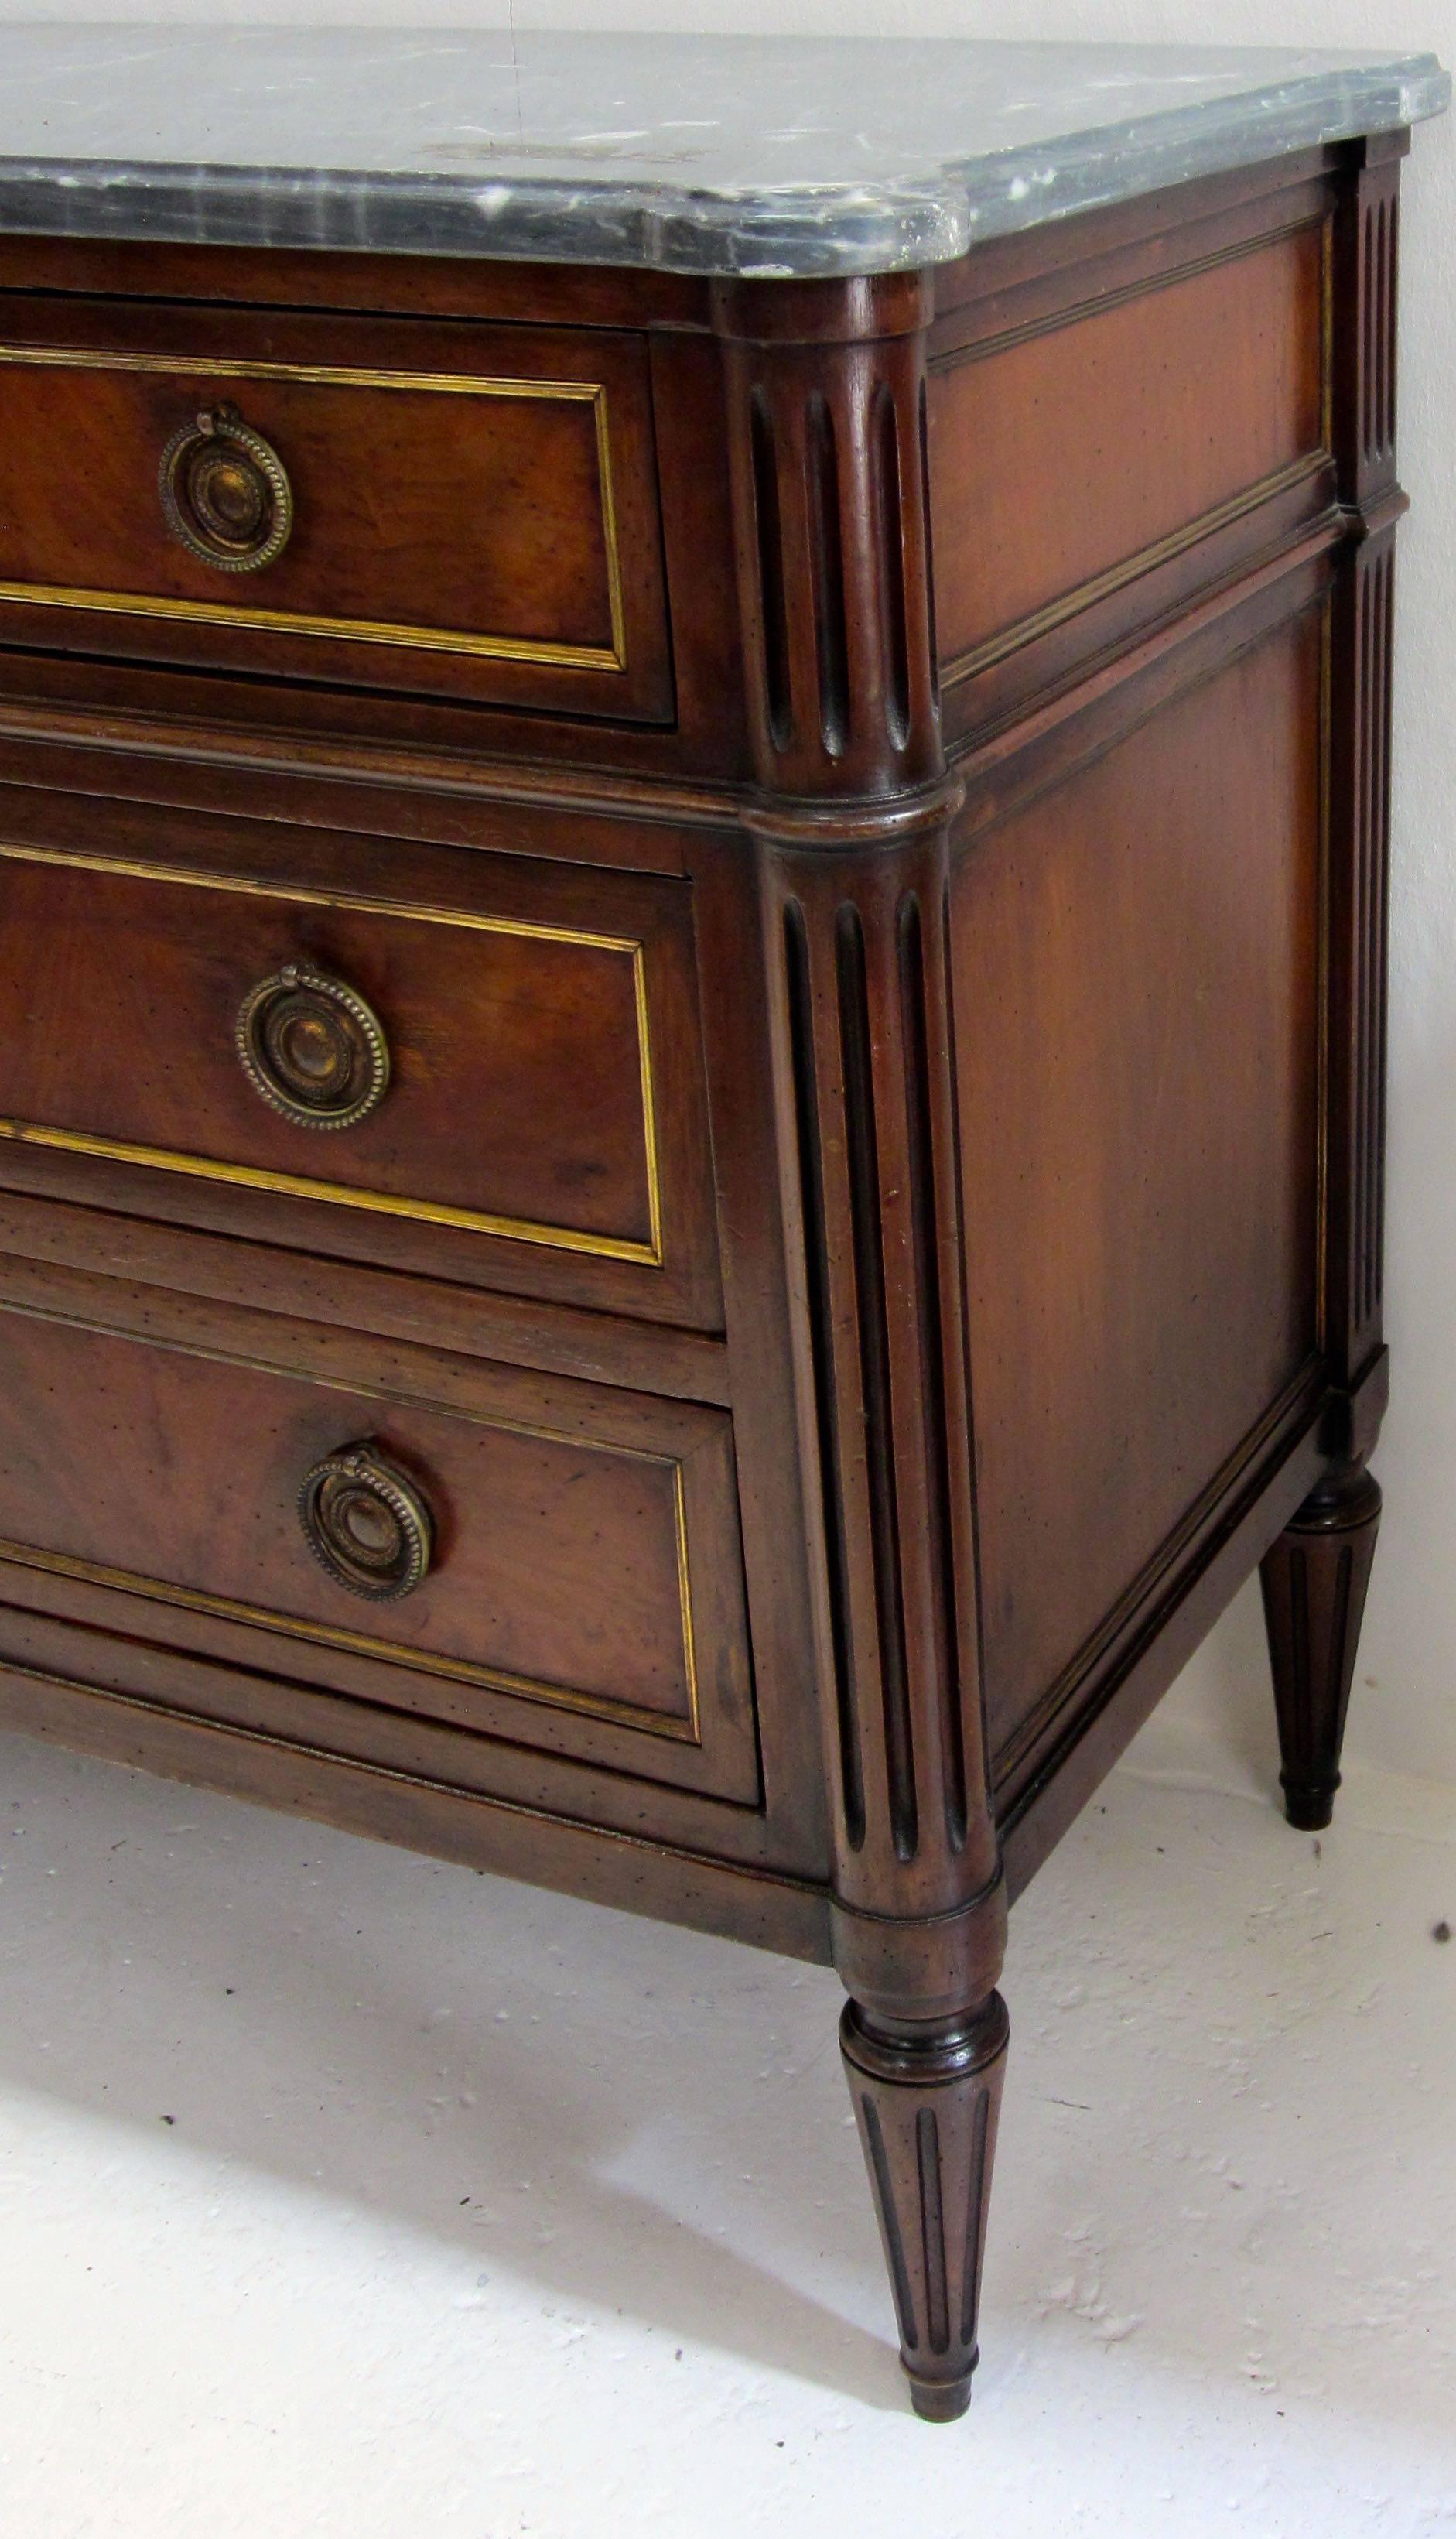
[(225, 492), (312, 1048), (365, 1523)]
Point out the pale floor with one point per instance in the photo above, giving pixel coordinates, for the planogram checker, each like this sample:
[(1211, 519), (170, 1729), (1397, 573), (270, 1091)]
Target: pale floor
[(349, 2194)]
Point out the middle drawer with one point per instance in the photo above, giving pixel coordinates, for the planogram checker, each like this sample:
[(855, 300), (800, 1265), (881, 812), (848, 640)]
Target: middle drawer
[(442, 1060)]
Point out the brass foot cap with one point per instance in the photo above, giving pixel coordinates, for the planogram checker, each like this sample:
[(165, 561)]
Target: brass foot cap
[(1309, 1811), (940, 2402)]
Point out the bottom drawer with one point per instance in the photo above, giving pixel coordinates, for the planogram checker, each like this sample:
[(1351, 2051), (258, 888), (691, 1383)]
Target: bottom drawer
[(558, 1565)]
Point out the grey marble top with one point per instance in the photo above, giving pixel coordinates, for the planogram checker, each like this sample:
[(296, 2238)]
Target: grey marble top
[(712, 154)]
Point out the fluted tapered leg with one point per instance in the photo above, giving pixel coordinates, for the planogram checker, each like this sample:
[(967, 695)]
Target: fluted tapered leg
[(926, 2099), (1314, 1582)]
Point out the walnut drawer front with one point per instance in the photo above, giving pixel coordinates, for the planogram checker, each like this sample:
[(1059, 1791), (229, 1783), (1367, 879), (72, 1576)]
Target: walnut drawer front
[(465, 511), (561, 1560), (450, 1063)]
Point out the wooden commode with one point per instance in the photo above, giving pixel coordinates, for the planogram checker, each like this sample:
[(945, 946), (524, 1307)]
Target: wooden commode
[(693, 879)]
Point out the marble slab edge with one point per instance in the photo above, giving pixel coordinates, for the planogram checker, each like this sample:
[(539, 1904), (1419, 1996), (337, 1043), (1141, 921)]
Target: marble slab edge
[(806, 229)]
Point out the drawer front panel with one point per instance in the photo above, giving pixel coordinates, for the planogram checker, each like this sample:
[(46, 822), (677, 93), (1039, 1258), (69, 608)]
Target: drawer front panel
[(582, 1591), (472, 511), (527, 1022)]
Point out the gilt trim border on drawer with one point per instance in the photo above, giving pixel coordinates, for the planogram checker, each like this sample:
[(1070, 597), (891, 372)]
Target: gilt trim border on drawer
[(360, 630), (512, 1229)]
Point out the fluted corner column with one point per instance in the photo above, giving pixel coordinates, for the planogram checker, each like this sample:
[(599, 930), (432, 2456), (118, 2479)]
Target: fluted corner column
[(825, 385), (851, 822), (1361, 628)]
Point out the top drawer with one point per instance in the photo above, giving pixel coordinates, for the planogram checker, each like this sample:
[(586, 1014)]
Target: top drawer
[(457, 511)]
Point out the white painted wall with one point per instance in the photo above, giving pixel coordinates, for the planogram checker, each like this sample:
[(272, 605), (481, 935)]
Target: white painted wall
[(1405, 1712)]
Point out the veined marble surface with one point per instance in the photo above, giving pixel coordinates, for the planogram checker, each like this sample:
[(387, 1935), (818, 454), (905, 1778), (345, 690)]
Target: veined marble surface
[(709, 154)]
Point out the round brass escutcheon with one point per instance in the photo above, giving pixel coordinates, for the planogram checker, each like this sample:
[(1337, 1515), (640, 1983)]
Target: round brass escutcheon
[(312, 1048), (225, 493), (365, 1523)]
